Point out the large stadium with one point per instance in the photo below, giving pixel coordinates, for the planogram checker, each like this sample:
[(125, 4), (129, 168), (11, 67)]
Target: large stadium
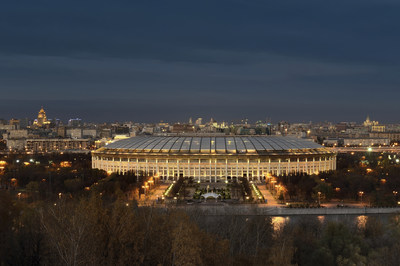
[(214, 159)]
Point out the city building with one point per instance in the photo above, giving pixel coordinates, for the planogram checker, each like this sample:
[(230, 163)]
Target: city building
[(89, 133), (74, 133), (213, 159), (15, 122), (41, 119), (15, 139), (331, 142), (368, 122), (75, 122), (199, 121), (378, 128), (61, 131), (182, 128), (366, 142), (392, 136), (57, 145)]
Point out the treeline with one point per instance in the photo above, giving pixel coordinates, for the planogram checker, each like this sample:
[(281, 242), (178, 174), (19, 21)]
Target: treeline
[(91, 231), (44, 173), (41, 177)]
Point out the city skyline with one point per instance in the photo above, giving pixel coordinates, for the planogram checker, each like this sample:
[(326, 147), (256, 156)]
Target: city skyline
[(295, 61), (65, 117)]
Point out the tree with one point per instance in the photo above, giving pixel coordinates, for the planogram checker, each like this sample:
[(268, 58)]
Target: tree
[(73, 185), (65, 227), (343, 245), (281, 198), (33, 189), (8, 214), (185, 248), (326, 191)]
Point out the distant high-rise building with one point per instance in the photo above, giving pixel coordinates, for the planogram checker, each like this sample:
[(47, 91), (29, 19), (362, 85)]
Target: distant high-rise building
[(190, 121), (41, 119), (75, 122), (61, 131), (56, 122), (368, 122), (23, 123), (199, 121), (74, 133), (15, 122)]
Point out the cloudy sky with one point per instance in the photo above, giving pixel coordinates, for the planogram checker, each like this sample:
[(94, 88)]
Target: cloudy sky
[(148, 60)]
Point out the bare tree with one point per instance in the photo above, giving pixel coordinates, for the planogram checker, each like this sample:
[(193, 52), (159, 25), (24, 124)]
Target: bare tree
[(65, 229)]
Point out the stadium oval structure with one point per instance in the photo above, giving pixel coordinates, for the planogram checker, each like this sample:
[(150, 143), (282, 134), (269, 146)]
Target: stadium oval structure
[(214, 158)]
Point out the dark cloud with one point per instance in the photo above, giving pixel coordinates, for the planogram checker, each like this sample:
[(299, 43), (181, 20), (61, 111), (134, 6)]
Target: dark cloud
[(151, 60)]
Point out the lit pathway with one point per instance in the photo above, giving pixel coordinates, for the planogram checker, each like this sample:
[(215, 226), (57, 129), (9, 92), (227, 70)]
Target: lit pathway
[(153, 195), (158, 192), (271, 201)]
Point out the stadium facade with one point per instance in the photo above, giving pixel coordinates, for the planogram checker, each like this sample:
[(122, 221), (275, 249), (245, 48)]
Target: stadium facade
[(214, 159)]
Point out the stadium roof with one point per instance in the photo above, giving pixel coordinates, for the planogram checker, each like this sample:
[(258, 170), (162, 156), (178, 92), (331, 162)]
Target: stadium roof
[(212, 145)]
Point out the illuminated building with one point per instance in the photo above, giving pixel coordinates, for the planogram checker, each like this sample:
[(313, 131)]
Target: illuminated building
[(214, 159), (378, 128), (366, 142), (54, 145), (41, 119), (182, 128), (369, 123)]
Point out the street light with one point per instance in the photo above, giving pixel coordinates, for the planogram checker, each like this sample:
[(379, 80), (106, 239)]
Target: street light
[(361, 193)]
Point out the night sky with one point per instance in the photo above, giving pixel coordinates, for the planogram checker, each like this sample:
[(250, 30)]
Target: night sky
[(148, 61)]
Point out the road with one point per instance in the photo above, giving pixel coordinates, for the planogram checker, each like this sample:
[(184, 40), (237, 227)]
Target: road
[(271, 201), (153, 195)]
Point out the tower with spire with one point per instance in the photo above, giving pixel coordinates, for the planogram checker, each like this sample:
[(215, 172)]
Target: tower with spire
[(369, 123), (41, 119)]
